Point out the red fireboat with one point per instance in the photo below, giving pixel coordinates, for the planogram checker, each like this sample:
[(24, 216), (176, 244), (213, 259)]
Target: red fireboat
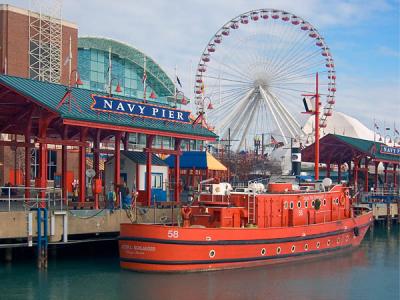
[(247, 227), (224, 229)]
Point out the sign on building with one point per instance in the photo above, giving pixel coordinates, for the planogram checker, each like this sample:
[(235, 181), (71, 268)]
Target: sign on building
[(138, 109)]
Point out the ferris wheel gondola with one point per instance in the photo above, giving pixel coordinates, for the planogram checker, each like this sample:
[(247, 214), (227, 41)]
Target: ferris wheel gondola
[(254, 70)]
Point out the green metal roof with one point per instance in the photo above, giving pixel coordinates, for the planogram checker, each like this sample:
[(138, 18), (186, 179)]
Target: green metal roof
[(49, 95), (156, 76), (140, 158), (370, 147)]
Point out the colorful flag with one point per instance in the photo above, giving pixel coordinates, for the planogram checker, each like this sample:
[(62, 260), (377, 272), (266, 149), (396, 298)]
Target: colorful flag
[(178, 81)]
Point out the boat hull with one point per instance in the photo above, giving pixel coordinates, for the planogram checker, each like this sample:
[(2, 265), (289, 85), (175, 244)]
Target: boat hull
[(154, 248)]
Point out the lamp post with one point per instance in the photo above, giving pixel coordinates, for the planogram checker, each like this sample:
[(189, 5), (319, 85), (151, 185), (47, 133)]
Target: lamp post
[(117, 89), (183, 100), (389, 141), (68, 96)]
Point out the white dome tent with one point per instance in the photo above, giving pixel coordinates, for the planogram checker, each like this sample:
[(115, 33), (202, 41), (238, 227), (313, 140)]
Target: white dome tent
[(342, 124)]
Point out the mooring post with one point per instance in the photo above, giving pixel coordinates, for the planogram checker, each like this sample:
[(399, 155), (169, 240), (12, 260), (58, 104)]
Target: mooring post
[(42, 241)]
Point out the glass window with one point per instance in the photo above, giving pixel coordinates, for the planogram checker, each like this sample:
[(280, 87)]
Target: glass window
[(51, 164), (156, 180)]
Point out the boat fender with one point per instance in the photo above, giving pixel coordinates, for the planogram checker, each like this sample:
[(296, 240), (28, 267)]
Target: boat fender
[(356, 231), (342, 200), (317, 204)]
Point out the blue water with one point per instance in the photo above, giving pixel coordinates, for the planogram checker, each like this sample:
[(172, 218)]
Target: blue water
[(369, 272)]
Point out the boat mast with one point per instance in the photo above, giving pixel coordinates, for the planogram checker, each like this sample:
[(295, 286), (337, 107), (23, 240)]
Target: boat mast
[(316, 113)]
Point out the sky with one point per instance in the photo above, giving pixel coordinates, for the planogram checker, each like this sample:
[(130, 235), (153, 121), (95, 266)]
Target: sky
[(363, 36)]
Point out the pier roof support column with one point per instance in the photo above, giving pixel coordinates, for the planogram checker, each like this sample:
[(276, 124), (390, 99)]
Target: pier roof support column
[(96, 163), (177, 193), (328, 169), (339, 172), (385, 165), (64, 165), (376, 175), (82, 166), (41, 182), (395, 176), (28, 131), (366, 163), (356, 167), (117, 164), (149, 153)]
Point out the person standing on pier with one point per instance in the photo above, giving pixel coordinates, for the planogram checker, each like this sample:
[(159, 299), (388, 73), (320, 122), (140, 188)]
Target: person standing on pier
[(111, 198)]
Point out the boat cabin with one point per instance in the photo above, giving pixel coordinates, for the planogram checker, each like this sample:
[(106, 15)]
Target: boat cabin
[(279, 204)]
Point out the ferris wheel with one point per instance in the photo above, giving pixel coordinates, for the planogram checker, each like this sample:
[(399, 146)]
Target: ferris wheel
[(253, 71)]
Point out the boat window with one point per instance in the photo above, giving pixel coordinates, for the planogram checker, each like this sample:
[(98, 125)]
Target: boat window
[(318, 244), (285, 205), (328, 243), (298, 204), (313, 203), (306, 204), (337, 200), (306, 247), (293, 248), (278, 250), (212, 253), (338, 240), (324, 202), (263, 251), (291, 205)]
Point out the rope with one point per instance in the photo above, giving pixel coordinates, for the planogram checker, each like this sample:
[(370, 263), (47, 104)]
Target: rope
[(89, 217)]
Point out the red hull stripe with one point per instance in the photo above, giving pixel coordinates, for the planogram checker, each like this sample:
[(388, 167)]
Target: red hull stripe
[(230, 260), (239, 242)]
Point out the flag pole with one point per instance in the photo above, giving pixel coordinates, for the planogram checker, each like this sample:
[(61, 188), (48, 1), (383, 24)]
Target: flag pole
[(70, 61), (144, 78), (374, 130), (109, 70)]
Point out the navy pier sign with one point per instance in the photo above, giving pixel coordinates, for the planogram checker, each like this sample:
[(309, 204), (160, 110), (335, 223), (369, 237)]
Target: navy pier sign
[(138, 109), (390, 150)]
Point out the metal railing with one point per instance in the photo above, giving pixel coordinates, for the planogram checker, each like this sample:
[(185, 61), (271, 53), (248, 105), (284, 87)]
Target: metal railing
[(13, 198)]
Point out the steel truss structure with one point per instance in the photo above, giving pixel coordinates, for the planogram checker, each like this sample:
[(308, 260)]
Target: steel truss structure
[(45, 40)]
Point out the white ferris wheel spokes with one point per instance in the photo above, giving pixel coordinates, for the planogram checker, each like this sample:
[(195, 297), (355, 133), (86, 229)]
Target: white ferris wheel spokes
[(254, 70)]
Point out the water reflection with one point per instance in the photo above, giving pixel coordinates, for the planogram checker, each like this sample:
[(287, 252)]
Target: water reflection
[(310, 279), (369, 272)]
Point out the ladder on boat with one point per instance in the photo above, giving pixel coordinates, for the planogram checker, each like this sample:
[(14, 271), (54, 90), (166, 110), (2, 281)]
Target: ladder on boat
[(251, 208)]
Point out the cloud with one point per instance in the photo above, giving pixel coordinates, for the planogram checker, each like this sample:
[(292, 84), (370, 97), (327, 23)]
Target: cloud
[(387, 51)]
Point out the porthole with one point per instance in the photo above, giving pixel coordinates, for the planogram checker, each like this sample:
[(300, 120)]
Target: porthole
[(328, 243), (291, 205), (263, 251), (298, 204), (313, 203), (318, 244), (337, 200), (338, 240), (278, 250), (306, 247), (285, 205), (293, 248), (306, 204), (212, 253), (324, 202)]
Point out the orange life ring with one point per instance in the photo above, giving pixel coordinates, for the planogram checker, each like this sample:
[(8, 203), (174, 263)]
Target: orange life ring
[(342, 200)]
